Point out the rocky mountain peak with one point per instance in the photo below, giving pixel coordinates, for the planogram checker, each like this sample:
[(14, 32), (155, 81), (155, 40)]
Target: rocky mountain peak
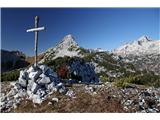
[(66, 47), (68, 37), (67, 42), (143, 39)]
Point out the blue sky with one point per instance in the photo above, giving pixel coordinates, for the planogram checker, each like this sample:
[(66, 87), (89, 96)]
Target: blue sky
[(105, 28)]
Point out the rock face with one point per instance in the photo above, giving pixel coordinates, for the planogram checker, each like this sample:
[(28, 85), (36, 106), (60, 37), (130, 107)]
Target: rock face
[(82, 70), (35, 83), (75, 70)]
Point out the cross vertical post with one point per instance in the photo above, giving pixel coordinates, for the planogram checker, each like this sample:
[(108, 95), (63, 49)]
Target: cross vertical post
[(36, 39), (36, 30)]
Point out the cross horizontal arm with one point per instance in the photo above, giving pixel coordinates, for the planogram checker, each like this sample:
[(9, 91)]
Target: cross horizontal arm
[(36, 29)]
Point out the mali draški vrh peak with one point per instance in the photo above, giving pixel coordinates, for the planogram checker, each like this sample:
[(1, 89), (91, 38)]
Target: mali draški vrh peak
[(66, 47), (143, 46), (67, 42)]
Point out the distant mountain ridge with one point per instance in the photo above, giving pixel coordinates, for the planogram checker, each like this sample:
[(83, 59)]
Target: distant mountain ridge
[(144, 53), (11, 55), (11, 60), (143, 46)]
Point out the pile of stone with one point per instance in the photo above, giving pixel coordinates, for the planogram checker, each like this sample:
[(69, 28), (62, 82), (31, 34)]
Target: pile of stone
[(34, 83)]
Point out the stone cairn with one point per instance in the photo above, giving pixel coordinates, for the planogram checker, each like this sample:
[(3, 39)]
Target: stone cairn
[(34, 83)]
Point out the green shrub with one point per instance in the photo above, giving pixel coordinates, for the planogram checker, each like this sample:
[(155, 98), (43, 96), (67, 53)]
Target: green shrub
[(58, 61), (89, 57), (105, 79), (83, 51), (10, 76), (147, 79)]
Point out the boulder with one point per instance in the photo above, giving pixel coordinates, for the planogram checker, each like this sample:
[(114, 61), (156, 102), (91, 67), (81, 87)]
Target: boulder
[(36, 99), (70, 93), (42, 93), (60, 87), (55, 80), (12, 92), (43, 79), (44, 68), (22, 82), (23, 74), (31, 69), (49, 103), (34, 75), (55, 100), (34, 88), (49, 72), (30, 84), (51, 87)]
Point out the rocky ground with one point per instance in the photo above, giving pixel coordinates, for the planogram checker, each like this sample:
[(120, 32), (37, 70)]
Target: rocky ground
[(91, 98), (40, 89)]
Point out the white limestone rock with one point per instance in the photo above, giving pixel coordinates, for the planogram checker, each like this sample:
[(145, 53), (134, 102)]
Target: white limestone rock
[(55, 99), (44, 68), (70, 93), (23, 74), (31, 69), (34, 88), (43, 79), (36, 99), (49, 103), (34, 75), (12, 92), (22, 82), (51, 87)]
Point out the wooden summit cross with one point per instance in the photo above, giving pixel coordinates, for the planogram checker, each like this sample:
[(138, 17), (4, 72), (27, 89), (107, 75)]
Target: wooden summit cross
[(36, 30)]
